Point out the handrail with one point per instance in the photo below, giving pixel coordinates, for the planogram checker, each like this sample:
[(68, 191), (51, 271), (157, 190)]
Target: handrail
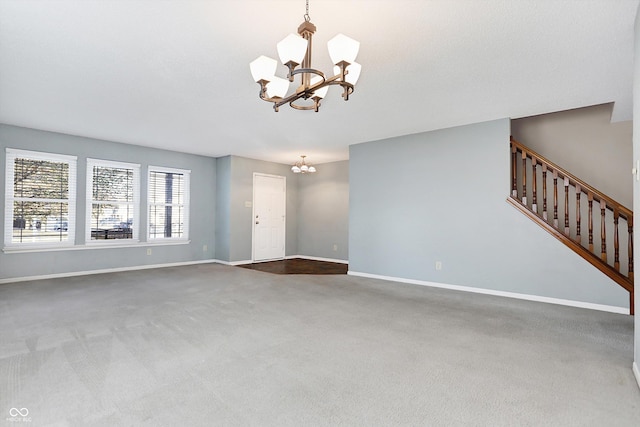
[(625, 212), (593, 259), (524, 166)]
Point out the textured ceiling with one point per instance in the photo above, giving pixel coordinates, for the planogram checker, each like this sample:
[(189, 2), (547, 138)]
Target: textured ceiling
[(175, 74)]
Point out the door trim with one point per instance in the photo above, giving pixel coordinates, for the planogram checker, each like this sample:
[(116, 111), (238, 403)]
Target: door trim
[(253, 215)]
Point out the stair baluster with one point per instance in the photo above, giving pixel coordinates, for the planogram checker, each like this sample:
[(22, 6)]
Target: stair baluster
[(524, 177), (578, 223), (590, 222), (534, 186), (566, 205), (514, 172), (603, 231), (616, 240), (555, 198), (544, 192), (570, 233)]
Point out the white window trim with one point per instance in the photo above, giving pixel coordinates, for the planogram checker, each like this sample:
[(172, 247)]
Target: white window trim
[(11, 155), (136, 203), (186, 173)]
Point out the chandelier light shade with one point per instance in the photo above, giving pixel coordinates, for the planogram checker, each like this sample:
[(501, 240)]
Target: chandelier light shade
[(277, 87), (295, 53), (343, 48), (302, 167), (292, 49), (263, 67)]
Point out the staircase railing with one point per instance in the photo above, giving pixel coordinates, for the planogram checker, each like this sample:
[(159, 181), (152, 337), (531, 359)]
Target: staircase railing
[(562, 214)]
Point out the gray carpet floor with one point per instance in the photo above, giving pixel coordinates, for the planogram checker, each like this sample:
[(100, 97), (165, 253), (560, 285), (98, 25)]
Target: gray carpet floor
[(213, 345)]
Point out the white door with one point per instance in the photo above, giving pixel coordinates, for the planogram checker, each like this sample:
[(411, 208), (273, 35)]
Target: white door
[(269, 201)]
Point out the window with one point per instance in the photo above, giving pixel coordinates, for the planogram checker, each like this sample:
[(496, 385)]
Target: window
[(40, 199), (113, 194), (168, 203)]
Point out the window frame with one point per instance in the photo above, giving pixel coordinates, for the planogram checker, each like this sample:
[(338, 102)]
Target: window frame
[(135, 167), (10, 198), (186, 205)]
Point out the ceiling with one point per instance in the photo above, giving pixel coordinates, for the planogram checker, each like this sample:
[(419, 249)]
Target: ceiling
[(175, 74)]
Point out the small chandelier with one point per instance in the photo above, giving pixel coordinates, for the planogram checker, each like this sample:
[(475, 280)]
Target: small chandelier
[(295, 50), (302, 167)]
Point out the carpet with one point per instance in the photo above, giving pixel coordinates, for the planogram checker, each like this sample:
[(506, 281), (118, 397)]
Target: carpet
[(210, 344)]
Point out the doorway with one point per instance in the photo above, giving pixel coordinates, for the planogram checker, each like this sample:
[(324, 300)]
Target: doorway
[(269, 218)]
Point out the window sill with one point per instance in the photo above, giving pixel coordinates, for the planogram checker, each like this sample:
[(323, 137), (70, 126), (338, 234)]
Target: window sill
[(167, 242), (90, 246)]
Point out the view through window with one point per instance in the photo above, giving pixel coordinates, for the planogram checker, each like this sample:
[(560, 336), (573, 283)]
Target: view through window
[(168, 203), (112, 200), (40, 199)]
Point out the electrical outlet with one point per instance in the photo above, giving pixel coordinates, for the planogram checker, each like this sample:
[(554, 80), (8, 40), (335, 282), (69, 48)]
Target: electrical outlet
[(335, 247), (204, 248), (148, 251), (438, 265)]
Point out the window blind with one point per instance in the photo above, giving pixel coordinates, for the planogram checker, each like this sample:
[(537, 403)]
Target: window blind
[(168, 203), (113, 200), (40, 199)]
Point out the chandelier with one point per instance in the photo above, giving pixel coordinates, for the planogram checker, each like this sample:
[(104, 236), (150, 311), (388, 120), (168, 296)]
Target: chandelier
[(302, 167), (295, 50)]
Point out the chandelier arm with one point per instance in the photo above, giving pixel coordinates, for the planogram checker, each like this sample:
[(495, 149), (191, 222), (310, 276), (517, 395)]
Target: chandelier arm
[(305, 88), (346, 92), (335, 80), (338, 79), (291, 67), (263, 92), (291, 99), (347, 87), (315, 106), (308, 71), (306, 92), (343, 68)]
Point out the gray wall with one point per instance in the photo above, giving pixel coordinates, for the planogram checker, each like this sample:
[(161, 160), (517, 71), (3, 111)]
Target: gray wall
[(440, 196), (219, 219), (636, 184), (236, 174), (317, 209), (584, 142), (323, 212), (202, 209), (223, 208)]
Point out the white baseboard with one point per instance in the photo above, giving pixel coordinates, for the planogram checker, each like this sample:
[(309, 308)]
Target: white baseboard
[(246, 261), (312, 258), (101, 271), (558, 301), (636, 373), (317, 258)]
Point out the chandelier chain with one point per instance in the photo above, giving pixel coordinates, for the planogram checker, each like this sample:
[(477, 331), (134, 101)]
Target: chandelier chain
[(307, 18)]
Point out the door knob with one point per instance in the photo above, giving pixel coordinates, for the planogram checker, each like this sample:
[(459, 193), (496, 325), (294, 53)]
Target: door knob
[(257, 222)]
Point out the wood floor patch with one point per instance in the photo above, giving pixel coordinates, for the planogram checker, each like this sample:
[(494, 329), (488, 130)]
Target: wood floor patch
[(298, 266)]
